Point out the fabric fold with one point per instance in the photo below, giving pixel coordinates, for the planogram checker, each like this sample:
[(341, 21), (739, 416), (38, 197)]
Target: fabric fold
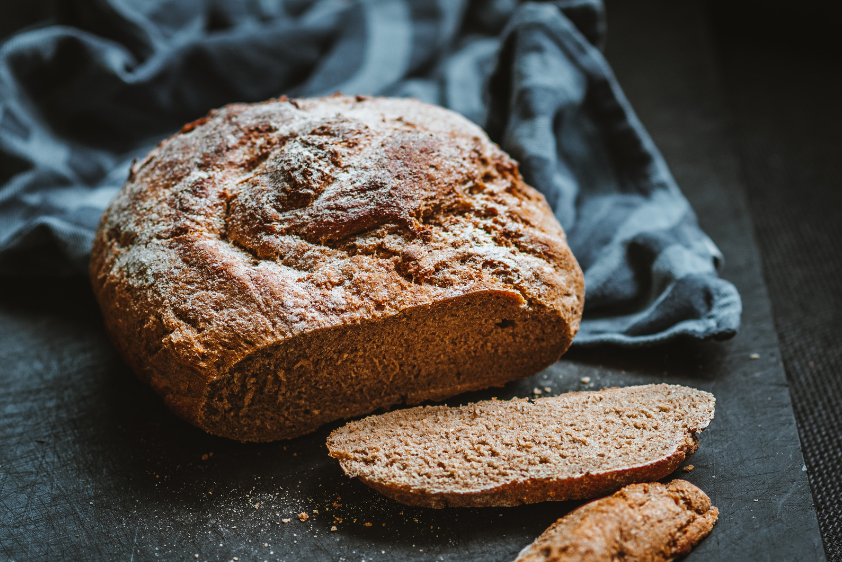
[(82, 97)]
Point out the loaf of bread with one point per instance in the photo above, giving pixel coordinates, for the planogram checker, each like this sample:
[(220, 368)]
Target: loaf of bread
[(640, 523), (579, 445), (277, 266)]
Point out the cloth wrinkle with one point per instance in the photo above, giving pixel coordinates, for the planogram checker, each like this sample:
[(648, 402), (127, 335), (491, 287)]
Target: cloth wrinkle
[(101, 85)]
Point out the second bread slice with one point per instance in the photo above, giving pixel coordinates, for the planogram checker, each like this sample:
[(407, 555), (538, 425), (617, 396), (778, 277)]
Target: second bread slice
[(648, 522), (579, 445)]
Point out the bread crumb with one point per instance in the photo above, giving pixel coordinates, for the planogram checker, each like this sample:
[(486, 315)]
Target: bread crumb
[(536, 390), (204, 457), (266, 544), (316, 511), (367, 524), (755, 356), (547, 389), (303, 516), (585, 380), (284, 520), (688, 468)]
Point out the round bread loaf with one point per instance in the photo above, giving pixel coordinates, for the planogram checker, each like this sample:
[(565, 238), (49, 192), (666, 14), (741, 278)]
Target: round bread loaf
[(280, 265)]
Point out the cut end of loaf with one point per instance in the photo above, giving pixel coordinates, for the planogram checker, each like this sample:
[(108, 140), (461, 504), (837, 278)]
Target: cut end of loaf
[(501, 453), (424, 353)]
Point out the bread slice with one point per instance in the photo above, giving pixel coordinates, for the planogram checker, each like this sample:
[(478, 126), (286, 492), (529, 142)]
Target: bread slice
[(642, 522), (579, 445)]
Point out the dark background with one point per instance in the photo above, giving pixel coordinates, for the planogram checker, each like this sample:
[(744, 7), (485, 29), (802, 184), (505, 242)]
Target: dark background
[(776, 67), (782, 76)]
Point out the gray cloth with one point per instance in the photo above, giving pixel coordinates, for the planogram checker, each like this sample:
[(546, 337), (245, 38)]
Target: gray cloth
[(104, 81)]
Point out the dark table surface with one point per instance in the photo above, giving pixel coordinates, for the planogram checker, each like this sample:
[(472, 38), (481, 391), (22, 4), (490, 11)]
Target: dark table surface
[(93, 466), (782, 83)]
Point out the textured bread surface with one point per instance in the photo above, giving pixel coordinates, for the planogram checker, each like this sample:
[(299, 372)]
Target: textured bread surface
[(648, 522), (579, 445), (276, 266)]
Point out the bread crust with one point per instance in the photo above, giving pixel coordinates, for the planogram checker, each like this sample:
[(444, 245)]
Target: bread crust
[(647, 522), (579, 445), (263, 223)]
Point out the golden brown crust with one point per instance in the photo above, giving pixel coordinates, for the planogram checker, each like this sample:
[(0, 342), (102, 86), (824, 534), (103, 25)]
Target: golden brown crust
[(503, 453), (640, 523), (261, 223)]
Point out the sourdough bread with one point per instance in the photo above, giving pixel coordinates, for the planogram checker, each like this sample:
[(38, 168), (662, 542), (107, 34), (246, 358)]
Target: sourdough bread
[(579, 445), (280, 265), (640, 523)]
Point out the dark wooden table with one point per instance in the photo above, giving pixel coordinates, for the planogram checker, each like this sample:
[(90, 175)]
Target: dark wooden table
[(92, 466)]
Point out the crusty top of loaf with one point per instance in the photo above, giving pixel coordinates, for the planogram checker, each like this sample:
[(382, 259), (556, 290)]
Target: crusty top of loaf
[(493, 444), (260, 222)]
